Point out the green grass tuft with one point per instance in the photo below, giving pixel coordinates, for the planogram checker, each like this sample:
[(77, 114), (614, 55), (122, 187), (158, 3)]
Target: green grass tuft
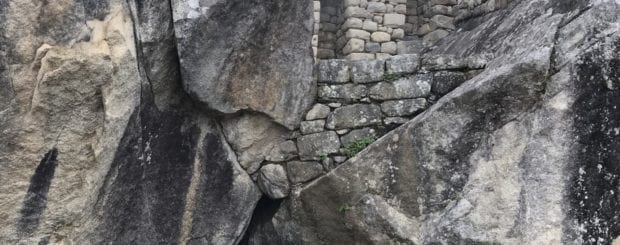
[(358, 145)]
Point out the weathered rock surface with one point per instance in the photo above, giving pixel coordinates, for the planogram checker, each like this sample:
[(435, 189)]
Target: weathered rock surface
[(99, 144), (253, 136), (110, 134), (524, 153), (259, 55), (273, 181)]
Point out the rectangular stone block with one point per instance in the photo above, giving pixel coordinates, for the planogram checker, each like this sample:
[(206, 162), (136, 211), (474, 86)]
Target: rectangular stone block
[(400, 108), (325, 53), (347, 92), (393, 20), (360, 56), (333, 71), (388, 47), (354, 116), (353, 23), (405, 88), (310, 127), (402, 64), (354, 45), (372, 47), (359, 34), (313, 146), (376, 7), (367, 71), (356, 12), (383, 56), (300, 172)]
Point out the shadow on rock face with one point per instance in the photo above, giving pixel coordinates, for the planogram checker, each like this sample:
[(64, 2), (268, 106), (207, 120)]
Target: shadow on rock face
[(35, 200), (595, 188), (143, 199)]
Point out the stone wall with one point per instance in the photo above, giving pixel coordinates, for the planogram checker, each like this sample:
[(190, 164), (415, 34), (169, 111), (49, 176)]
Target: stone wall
[(378, 29), (436, 18), (372, 28), (358, 102), (331, 19), (473, 8)]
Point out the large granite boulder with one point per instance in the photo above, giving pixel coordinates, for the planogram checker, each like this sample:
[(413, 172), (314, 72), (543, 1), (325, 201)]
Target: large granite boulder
[(99, 143), (247, 55)]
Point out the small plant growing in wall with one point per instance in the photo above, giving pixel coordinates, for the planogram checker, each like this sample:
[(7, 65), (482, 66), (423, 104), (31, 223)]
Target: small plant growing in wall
[(344, 208), (358, 145), (323, 157)]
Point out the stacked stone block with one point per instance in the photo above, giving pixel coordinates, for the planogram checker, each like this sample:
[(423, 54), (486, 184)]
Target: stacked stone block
[(315, 31), (372, 28), (436, 19), (473, 8), (378, 29), (331, 19), (411, 23)]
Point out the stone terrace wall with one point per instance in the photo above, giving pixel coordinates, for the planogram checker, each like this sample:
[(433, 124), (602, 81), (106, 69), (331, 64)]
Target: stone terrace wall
[(378, 29), (359, 101)]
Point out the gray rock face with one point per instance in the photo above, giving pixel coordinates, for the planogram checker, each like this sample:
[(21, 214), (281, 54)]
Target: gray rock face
[(313, 146), (243, 70), (446, 81), (353, 116), (253, 136), (405, 88), (273, 181), (99, 144)]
